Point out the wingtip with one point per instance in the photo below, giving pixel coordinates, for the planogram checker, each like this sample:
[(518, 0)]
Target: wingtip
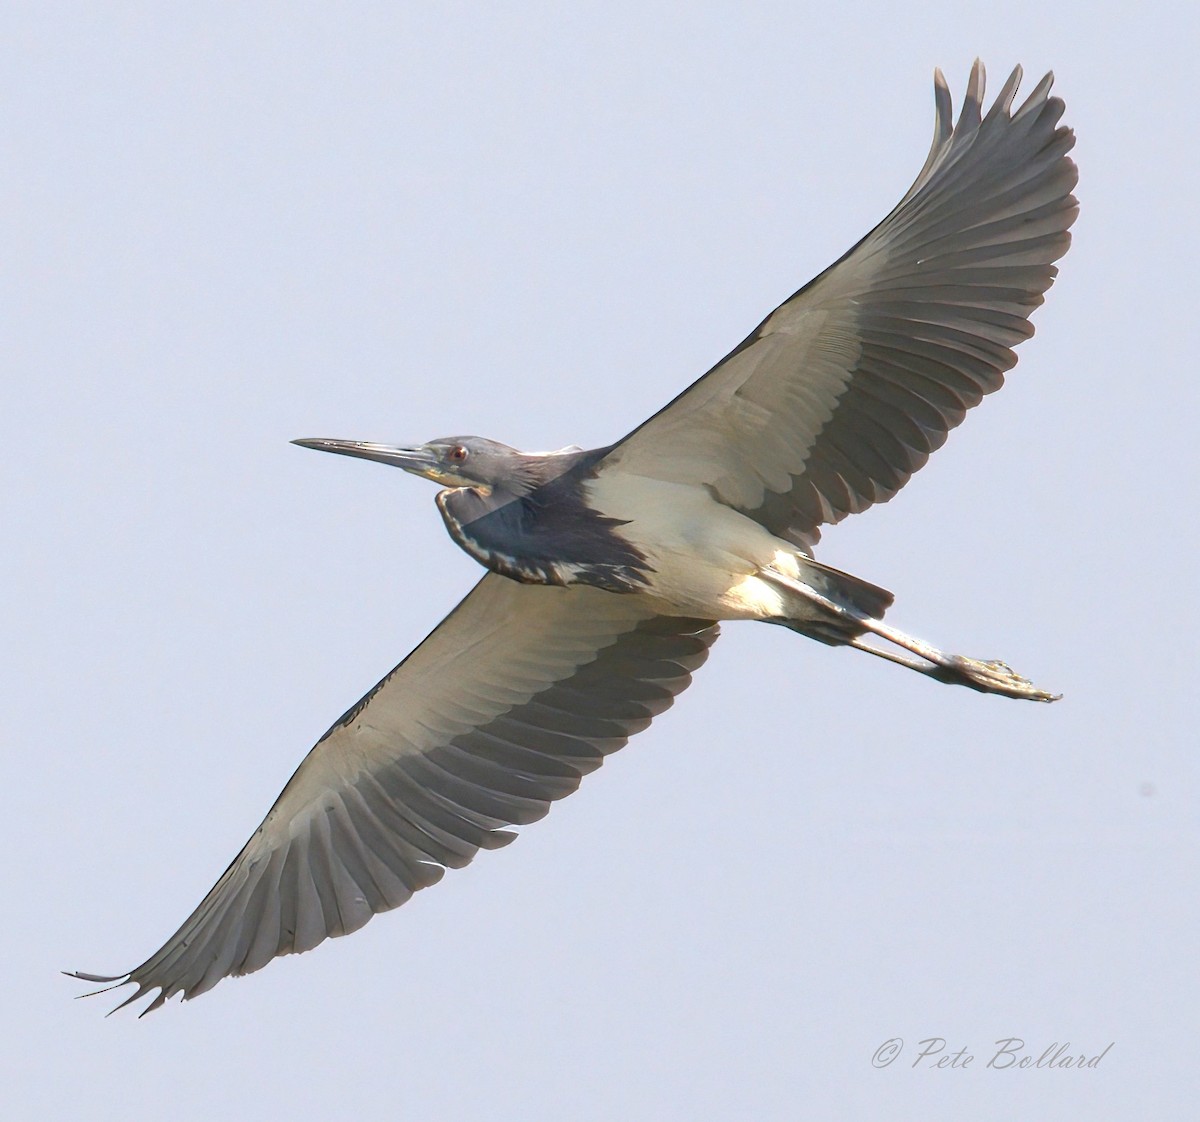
[(85, 977), (112, 982), (1002, 106), (943, 111), (1040, 93), (972, 107)]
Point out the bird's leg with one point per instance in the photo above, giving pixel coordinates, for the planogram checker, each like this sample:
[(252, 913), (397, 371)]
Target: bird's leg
[(917, 664), (985, 676)]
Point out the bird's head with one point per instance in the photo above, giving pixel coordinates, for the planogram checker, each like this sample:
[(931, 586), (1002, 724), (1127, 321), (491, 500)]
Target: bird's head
[(452, 461)]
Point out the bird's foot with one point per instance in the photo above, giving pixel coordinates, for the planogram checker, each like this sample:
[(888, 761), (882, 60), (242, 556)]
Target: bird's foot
[(989, 677)]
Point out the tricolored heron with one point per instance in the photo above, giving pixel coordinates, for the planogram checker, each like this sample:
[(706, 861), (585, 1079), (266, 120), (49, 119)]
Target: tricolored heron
[(609, 569)]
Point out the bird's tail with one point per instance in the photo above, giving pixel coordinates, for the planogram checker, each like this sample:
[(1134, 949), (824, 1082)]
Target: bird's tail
[(859, 597)]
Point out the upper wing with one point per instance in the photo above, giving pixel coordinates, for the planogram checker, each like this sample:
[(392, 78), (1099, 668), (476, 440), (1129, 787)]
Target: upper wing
[(842, 392), (516, 695)]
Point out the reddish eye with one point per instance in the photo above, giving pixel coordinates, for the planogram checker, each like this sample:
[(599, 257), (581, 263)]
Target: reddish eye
[(458, 454)]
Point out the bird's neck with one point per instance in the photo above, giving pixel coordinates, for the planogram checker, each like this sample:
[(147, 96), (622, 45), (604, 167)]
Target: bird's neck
[(548, 536)]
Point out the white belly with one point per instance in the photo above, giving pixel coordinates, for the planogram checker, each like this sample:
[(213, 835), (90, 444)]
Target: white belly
[(705, 556)]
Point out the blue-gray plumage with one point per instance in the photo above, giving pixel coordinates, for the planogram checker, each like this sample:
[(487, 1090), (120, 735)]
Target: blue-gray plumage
[(609, 569)]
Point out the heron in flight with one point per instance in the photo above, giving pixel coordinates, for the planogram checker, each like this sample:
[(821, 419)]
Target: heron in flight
[(609, 569)]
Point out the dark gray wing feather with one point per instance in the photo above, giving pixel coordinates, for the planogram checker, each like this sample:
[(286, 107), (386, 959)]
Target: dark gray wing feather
[(520, 692), (842, 392)]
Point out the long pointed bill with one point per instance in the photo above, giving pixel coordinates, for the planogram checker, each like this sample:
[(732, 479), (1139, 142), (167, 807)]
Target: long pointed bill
[(419, 461)]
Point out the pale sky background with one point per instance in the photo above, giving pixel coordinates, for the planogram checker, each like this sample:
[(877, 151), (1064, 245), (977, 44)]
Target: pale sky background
[(228, 225)]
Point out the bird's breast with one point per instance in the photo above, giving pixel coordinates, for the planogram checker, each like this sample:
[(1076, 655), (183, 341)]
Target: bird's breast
[(544, 539)]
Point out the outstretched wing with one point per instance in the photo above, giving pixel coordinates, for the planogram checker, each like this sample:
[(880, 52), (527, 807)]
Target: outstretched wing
[(520, 692), (842, 392)]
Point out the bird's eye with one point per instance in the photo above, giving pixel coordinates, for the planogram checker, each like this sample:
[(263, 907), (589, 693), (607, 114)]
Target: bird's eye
[(458, 454)]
